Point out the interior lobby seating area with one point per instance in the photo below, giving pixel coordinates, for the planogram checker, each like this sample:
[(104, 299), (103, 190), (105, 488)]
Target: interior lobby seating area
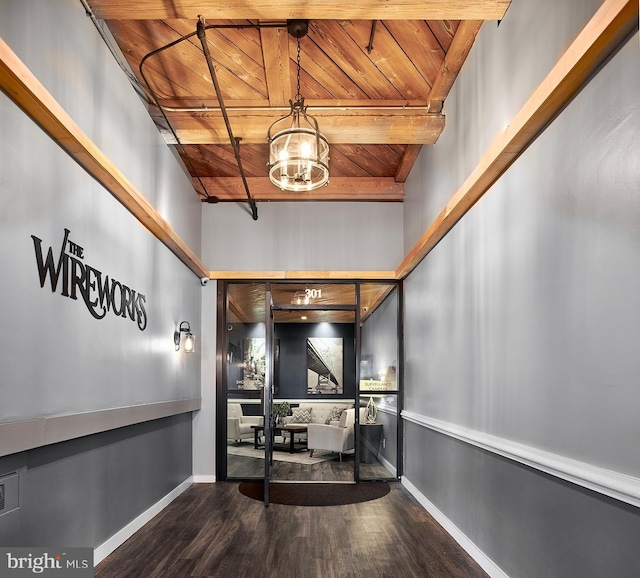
[(365, 245), (335, 436), (239, 425)]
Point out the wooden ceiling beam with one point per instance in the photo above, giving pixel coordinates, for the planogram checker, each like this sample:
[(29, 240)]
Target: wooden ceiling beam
[(339, 126), (454, 59), (311, 9), (406, 164), (275, 54), (351, 189), (209, 103), (611, 24)]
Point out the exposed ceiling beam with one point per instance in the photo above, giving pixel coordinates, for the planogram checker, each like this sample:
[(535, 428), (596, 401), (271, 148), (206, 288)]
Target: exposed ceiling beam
[(611, 24), (452, 63), (406, 164), (350, 189), (275, 53), (311, 9), (339, 126)]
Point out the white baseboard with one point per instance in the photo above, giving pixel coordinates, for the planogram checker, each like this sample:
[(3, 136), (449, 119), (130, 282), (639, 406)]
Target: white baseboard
[(478, 555), (387, 464), (204, 479), (119, 538)]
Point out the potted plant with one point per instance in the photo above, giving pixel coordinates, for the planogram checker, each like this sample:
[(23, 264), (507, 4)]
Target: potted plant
[(280, 410)]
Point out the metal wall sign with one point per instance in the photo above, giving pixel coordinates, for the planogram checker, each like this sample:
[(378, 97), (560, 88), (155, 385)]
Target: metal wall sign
[(75, 279)]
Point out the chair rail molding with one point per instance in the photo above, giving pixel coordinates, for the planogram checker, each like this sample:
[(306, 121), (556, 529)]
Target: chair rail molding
[(613, 484), (21, 436)]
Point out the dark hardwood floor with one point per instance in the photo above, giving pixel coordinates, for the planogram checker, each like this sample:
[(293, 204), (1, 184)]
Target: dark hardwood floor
[(242, 467), (212, 530)]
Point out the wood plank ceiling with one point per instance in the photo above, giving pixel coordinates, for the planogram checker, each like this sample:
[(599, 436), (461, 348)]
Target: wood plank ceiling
[(247, 301), (375, 75)]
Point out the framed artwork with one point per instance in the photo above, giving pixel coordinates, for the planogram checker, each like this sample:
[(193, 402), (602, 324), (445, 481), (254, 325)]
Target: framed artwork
[(254, 363), (324, 365)]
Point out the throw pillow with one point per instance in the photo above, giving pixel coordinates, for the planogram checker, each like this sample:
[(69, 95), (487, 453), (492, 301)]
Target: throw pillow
[(301, 415), (334, 415)]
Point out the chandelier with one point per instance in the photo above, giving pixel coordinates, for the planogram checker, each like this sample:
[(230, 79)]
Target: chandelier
[(298, 153)]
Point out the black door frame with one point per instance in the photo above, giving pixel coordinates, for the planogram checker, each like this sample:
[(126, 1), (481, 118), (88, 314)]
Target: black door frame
[(221, 374)]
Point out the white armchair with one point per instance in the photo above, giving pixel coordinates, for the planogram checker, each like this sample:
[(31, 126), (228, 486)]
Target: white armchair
[(239, 425), (335, 437)]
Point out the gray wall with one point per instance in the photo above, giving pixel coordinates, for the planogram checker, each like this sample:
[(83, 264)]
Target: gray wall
[(523, 323), (82, 491), (58, 362), (303, 237)]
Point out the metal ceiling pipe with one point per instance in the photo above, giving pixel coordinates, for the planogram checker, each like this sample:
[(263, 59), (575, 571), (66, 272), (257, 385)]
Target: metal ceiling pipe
[(209, 198), (202, 35)]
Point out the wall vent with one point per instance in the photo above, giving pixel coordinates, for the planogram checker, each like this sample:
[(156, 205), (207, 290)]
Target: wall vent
[(10, 511), (9, 494)]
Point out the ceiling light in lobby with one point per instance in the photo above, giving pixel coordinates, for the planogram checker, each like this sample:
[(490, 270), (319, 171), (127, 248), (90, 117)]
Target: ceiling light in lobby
[(298, 152), (302, 298)]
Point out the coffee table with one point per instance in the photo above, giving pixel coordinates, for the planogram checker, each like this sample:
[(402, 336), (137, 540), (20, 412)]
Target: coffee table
[(291, 446)]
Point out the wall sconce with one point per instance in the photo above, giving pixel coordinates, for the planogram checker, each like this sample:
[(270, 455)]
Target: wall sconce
[(187, 342)]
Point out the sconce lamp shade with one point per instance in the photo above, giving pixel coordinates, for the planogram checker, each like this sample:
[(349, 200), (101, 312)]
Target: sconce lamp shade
[(183, 339), (188, 343)]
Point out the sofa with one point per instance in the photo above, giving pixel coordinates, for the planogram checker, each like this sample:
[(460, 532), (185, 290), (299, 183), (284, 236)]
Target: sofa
[(239, 425), (335, 436)]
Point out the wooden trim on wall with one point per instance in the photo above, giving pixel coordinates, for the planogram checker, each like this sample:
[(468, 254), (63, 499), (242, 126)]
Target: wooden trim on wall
[(305, 275), (611, 24), (19, 83)]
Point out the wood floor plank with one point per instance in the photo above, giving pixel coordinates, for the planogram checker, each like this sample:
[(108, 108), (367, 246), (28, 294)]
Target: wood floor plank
[(214, 530)]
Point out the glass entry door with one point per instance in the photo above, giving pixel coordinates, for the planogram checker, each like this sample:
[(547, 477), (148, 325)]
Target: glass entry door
[(242, 355), (315, 334), (287, 347)]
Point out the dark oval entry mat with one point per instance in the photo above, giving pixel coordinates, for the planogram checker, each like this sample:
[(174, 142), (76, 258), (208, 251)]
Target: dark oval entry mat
[(316, 494)]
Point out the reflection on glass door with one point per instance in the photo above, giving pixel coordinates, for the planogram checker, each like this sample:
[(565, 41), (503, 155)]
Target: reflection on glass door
[(378, 399), (245, 364)]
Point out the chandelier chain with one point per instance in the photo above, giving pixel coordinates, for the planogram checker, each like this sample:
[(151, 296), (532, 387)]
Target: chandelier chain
[(298, 95)]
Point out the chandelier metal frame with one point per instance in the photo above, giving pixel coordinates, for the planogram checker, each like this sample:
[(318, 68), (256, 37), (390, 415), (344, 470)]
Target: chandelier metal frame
[(298, 152)]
